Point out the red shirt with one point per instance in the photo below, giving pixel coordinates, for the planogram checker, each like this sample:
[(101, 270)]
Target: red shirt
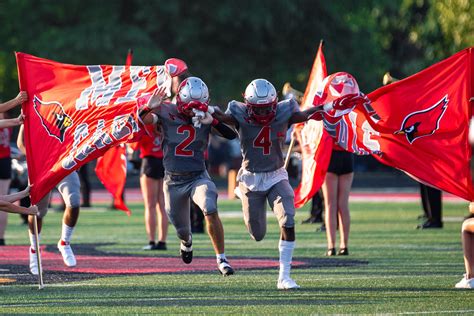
[(5, 134), (150, 145)]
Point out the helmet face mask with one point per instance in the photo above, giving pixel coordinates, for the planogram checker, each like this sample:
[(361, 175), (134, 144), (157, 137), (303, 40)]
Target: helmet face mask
[(261, 100), (192, 94)]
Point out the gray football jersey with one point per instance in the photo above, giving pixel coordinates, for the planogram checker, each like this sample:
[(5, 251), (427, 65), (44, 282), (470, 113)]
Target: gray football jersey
[(261, 145), (183, 144)]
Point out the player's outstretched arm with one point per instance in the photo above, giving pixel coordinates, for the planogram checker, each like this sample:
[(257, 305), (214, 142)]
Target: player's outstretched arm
[(341, 105), (222, 117), (224, 130), (20, 98), (146, 106)]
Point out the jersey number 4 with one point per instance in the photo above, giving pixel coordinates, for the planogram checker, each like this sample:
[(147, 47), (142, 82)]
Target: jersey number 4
[(263, 140), (190, 133)]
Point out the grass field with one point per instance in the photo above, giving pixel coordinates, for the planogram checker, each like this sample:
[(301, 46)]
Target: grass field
[(392, 269)]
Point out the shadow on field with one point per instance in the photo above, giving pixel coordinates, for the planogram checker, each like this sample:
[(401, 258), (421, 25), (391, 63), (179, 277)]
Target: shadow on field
[(93, 263)]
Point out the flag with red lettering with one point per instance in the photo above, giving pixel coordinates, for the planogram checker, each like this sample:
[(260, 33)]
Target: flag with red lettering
[(75, 113), (419, 125), (314, 141), (111, 168)]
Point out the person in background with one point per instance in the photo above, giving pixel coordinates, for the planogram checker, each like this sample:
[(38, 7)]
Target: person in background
[(151, 184), (5, 159), (336, 189), (85, 185), (467, 236), (431, 200)]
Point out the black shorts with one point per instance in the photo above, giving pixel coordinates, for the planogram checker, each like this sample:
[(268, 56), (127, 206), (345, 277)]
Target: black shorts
[(152, 167), (5, 168), (342, 162)]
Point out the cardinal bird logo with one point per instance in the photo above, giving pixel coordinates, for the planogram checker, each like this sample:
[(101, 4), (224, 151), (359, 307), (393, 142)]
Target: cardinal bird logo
[(53, 118), (425, 122)]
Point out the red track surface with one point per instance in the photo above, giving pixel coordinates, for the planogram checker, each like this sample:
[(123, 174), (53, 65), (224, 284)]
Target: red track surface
[(133, 195), (18, 255)]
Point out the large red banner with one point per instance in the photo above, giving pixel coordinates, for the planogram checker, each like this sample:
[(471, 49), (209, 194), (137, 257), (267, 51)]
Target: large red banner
[(75, 113), (111, 168), (419, 125), (314, 141)]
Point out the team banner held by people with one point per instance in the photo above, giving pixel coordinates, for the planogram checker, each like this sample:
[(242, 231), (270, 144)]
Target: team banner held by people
[(75, 113), (315, 142), (111, 168), (420, 125)]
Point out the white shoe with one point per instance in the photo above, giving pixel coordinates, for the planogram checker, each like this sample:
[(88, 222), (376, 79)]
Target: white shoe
[(224, 267), (287, 284), (68, 256), (33, 262), (465, 283)]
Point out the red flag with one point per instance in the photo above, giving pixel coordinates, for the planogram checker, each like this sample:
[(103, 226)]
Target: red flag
[(75, 113), (420, 125), (111, 168), (314, 141)]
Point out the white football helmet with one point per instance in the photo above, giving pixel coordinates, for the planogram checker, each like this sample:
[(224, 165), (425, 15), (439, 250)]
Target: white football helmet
[(261, 100), (192, 93)]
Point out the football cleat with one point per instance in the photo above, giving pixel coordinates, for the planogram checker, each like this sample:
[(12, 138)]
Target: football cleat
[(224, 267), (465, 283), (186, 253), (150, 246), (33, 262), (287, 284), (66, 251)]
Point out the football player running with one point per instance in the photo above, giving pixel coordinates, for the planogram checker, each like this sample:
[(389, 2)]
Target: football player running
[(262, 123), (185, 128)]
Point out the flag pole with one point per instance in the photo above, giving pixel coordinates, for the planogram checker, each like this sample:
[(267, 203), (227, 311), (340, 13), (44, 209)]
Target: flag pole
[(38, 254), (290, 149)]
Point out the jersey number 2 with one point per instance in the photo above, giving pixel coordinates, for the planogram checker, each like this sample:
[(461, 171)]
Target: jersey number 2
[(190, 132), (263, 140)]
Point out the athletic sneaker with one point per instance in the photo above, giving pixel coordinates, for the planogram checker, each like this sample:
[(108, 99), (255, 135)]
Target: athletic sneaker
[(287, 284), (66, 251), (150, 246), (161, 245), (186, 253), (33, 262), (465, 283), (224, 267)]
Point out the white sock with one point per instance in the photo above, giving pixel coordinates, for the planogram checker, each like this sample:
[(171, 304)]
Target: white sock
[(33, 240), (66, 233), (286, 254), (220, 256)]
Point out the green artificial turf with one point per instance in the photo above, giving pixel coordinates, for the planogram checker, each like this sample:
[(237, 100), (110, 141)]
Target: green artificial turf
[(392, 268)]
